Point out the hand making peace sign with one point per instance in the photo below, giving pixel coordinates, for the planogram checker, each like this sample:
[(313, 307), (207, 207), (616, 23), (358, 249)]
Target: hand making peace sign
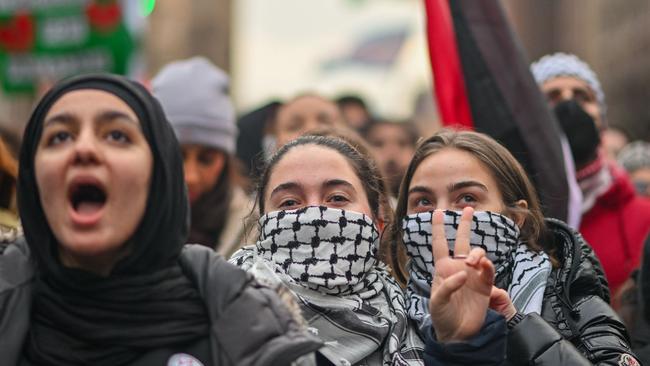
[(461, 286)]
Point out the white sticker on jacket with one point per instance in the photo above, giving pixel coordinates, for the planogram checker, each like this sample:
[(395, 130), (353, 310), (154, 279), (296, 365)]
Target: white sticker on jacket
[(183, 359), (627, 360)]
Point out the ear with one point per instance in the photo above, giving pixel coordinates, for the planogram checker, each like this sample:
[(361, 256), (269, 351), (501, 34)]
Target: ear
[(520, 217)]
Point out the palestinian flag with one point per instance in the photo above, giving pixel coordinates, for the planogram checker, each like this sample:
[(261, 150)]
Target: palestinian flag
[(482, 82)]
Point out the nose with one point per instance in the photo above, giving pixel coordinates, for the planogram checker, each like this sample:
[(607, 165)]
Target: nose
[(567, 94), (392, 150), (86, 149), (191, 173), (314, 199), (443, 205)]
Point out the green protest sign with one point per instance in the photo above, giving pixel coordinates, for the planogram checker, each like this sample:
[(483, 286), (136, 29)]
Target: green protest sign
[(45, 40)]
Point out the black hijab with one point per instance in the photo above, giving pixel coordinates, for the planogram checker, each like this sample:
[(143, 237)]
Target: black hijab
[(147, 302)]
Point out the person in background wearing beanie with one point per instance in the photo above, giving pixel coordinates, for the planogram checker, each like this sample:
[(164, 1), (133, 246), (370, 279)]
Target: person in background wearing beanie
[(203, 118), (615, 221), (635, 158)]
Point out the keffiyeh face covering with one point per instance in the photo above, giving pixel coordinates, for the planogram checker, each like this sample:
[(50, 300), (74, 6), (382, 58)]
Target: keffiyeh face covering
[(496, 234), (522, 270), (325, 249)]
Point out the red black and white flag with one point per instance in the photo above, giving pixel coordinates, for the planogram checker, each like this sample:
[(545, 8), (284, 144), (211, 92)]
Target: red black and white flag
[(482, 82)]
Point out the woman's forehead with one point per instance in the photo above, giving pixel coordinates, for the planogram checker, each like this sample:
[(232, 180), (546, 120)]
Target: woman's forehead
[(88, 102), (313, 164), (449, 165)]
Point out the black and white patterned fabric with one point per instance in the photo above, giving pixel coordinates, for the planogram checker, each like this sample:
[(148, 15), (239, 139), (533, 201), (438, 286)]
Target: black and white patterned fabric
[(362, 320), (523, 271), (324, 249), (635, 156)]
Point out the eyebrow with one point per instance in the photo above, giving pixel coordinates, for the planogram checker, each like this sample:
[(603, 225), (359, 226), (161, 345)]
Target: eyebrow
[(112, 115), (288, 186), (338, 182), (285, 187), (324, 116), (62, 118), (465, 184), (450, 188), (102, 117), (420, 189)]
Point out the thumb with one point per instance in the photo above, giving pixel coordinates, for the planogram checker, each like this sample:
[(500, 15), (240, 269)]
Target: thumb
[(498, 296)]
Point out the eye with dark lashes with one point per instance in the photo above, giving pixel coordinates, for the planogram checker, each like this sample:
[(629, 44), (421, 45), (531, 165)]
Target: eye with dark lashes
[(58, 138), (339, 198), (423, 201), (118, 136), (288, 203)]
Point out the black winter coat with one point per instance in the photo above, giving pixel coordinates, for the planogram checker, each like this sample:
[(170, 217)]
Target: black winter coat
[(250, 324), (576, 319)]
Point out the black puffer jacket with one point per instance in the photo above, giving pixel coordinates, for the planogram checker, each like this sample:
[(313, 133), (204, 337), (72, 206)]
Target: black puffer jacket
[(576, 319), (250, 324)]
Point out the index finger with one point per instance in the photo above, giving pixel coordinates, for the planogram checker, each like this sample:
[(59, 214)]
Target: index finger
[(439, 245)]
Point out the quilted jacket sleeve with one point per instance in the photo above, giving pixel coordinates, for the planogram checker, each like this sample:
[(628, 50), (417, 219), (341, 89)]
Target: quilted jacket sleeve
[(534, 342), (601, 334), (592, 333), (603, 337), (15, 299)]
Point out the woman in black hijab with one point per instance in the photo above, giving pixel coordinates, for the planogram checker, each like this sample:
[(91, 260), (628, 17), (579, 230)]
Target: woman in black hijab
[(102, 276)]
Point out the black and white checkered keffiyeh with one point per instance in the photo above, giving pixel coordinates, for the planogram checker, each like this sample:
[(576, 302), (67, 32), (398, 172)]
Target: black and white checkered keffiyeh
[(326, 257), (324, 249), (524, 271)]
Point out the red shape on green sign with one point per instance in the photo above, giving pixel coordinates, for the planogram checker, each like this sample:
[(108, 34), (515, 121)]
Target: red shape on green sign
[(17, 35), (104, 17)]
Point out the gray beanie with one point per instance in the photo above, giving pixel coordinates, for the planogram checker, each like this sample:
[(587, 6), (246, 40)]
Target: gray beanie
[(194, 96), (565, 64), (635, 156)]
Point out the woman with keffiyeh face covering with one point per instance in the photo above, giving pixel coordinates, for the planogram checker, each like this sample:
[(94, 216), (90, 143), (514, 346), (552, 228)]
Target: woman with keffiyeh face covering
[(322, 205), (486, 268), (102, 276)]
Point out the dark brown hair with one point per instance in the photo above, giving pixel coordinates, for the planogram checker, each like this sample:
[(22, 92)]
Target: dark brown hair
[(512, 181), (8, 175), (358, 156)]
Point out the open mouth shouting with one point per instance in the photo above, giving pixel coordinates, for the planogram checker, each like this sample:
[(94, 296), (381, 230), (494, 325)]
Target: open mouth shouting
[(87, 198)]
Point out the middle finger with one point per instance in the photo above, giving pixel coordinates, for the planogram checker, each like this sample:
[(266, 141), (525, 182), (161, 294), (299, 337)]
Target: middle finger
[(462, 246)]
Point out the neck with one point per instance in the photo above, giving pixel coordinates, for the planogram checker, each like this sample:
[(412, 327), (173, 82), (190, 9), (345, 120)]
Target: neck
[(99, 264)]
